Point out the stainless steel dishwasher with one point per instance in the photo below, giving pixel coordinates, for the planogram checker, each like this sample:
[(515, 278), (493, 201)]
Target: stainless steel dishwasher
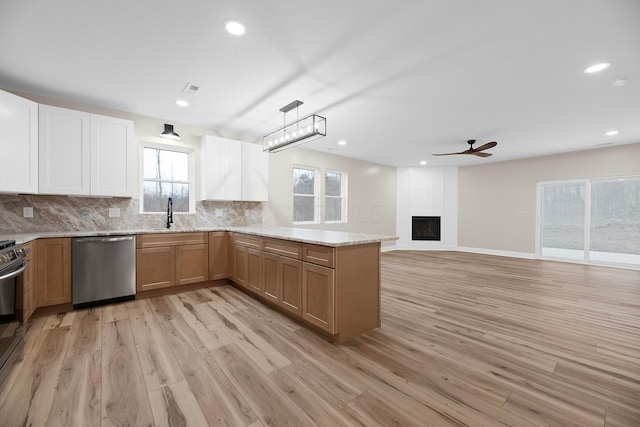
[(103, 269)]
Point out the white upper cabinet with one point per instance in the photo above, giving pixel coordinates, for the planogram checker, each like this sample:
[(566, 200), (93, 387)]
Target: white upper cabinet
[(255, 173), (84, 154), (233, 170), (64, 151), (111, 150), (18, 144)]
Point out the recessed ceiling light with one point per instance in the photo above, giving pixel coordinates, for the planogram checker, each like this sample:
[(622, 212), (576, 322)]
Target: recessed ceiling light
[(342, 142), (234, 27), (620, 81), (597, 67), (612, 132), (423, 162), (182, 103)]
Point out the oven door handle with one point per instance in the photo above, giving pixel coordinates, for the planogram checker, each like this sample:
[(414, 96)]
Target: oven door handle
[(14, 273)]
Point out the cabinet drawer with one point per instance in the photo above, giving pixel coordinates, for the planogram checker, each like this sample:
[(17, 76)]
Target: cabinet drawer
[(170, 239), (248, 241), (321, 255), (283, 247)]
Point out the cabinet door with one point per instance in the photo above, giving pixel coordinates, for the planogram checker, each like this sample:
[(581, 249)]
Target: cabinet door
[(18, 144), (254, 270), (240, 265), (53, 270), (218, 255), (64, 151), (192, 264), (111, 151), (318, 296), (28, 283), (221, 168), (155, 268), (291, 283), (255, 173), (271, 279)]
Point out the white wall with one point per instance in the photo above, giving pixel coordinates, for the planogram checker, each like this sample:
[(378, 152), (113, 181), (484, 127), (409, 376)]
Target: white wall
[(427, 192), (371, 192), (497, 201)]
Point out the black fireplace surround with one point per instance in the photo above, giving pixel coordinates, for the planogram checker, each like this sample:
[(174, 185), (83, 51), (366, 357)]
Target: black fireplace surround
[(425, 228)]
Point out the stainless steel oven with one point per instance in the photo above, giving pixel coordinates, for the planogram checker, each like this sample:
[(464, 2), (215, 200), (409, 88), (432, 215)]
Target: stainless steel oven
[(12, 265)]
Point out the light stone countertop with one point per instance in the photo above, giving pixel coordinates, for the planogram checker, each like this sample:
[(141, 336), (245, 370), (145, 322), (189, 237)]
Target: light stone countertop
[(305, 235)]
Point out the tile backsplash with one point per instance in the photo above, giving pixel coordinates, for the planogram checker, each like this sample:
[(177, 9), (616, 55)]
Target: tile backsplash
[(62, 213)]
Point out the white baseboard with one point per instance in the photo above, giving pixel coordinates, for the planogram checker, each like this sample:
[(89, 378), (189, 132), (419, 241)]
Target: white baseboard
[(524, 255)]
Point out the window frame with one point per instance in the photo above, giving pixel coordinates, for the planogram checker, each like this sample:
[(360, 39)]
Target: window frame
[(343, 196), (191, 174), (316, 204)]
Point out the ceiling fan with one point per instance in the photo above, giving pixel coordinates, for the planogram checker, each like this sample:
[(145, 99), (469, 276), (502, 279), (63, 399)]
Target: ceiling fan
[(474, 151)]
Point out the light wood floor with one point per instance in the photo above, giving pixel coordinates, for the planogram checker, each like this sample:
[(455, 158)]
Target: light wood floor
[(465, 340)]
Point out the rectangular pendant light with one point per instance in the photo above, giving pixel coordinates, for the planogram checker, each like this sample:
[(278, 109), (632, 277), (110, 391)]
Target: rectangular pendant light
[(296, 133)]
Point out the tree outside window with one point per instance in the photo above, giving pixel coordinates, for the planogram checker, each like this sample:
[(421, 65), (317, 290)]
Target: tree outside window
[(305, 187), (165, 174), (334, 196)]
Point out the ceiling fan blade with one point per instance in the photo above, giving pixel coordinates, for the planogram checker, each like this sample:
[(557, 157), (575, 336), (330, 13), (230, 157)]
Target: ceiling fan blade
[(486, 146), (451, 154), (481, 154)]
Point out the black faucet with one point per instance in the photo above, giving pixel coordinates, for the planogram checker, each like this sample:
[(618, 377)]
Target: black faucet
[(169, 212)]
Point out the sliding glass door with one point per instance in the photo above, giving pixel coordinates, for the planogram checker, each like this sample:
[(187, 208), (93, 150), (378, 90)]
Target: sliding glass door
[(615, 221), (595, 220), (563, 220)]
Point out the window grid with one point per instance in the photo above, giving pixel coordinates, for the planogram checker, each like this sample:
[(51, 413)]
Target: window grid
[(335, 197), (166, 172), (305, 190)]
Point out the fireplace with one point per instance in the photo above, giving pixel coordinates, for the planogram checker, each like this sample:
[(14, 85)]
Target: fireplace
[(425, 228)]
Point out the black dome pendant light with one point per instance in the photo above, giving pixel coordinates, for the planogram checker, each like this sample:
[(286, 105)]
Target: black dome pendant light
[(169, 133)]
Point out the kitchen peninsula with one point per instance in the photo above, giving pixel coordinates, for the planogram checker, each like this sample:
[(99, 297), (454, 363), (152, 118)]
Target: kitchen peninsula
[(327, 280)]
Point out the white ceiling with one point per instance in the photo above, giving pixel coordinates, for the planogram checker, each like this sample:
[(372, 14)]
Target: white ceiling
[(398, 80)]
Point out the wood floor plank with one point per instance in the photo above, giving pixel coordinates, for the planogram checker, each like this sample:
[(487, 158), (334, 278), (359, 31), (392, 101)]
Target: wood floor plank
[(175, 405), (270, 404), (124, 398), (466, 339), (321, 408), (220, 401), (158, 363), (60, 320), (30, 399), (86, 336), (256, 348), (78, 398)]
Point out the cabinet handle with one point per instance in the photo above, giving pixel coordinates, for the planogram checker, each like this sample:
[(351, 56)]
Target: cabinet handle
[(104, 239)]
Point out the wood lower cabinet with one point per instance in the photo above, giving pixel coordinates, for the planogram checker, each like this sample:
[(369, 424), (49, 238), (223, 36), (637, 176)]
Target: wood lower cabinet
[(335, 289), (254, 270), (218, 255), (192, 264), (318, 296), (155, 268), (240, 265), (29, 303), (164, 260), (53, 271), (246, 261), (283, 282)]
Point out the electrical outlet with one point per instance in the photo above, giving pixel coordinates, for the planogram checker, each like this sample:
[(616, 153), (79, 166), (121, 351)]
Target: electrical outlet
[(218, 213), (27, 212), (247, 212), (114, 212)]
